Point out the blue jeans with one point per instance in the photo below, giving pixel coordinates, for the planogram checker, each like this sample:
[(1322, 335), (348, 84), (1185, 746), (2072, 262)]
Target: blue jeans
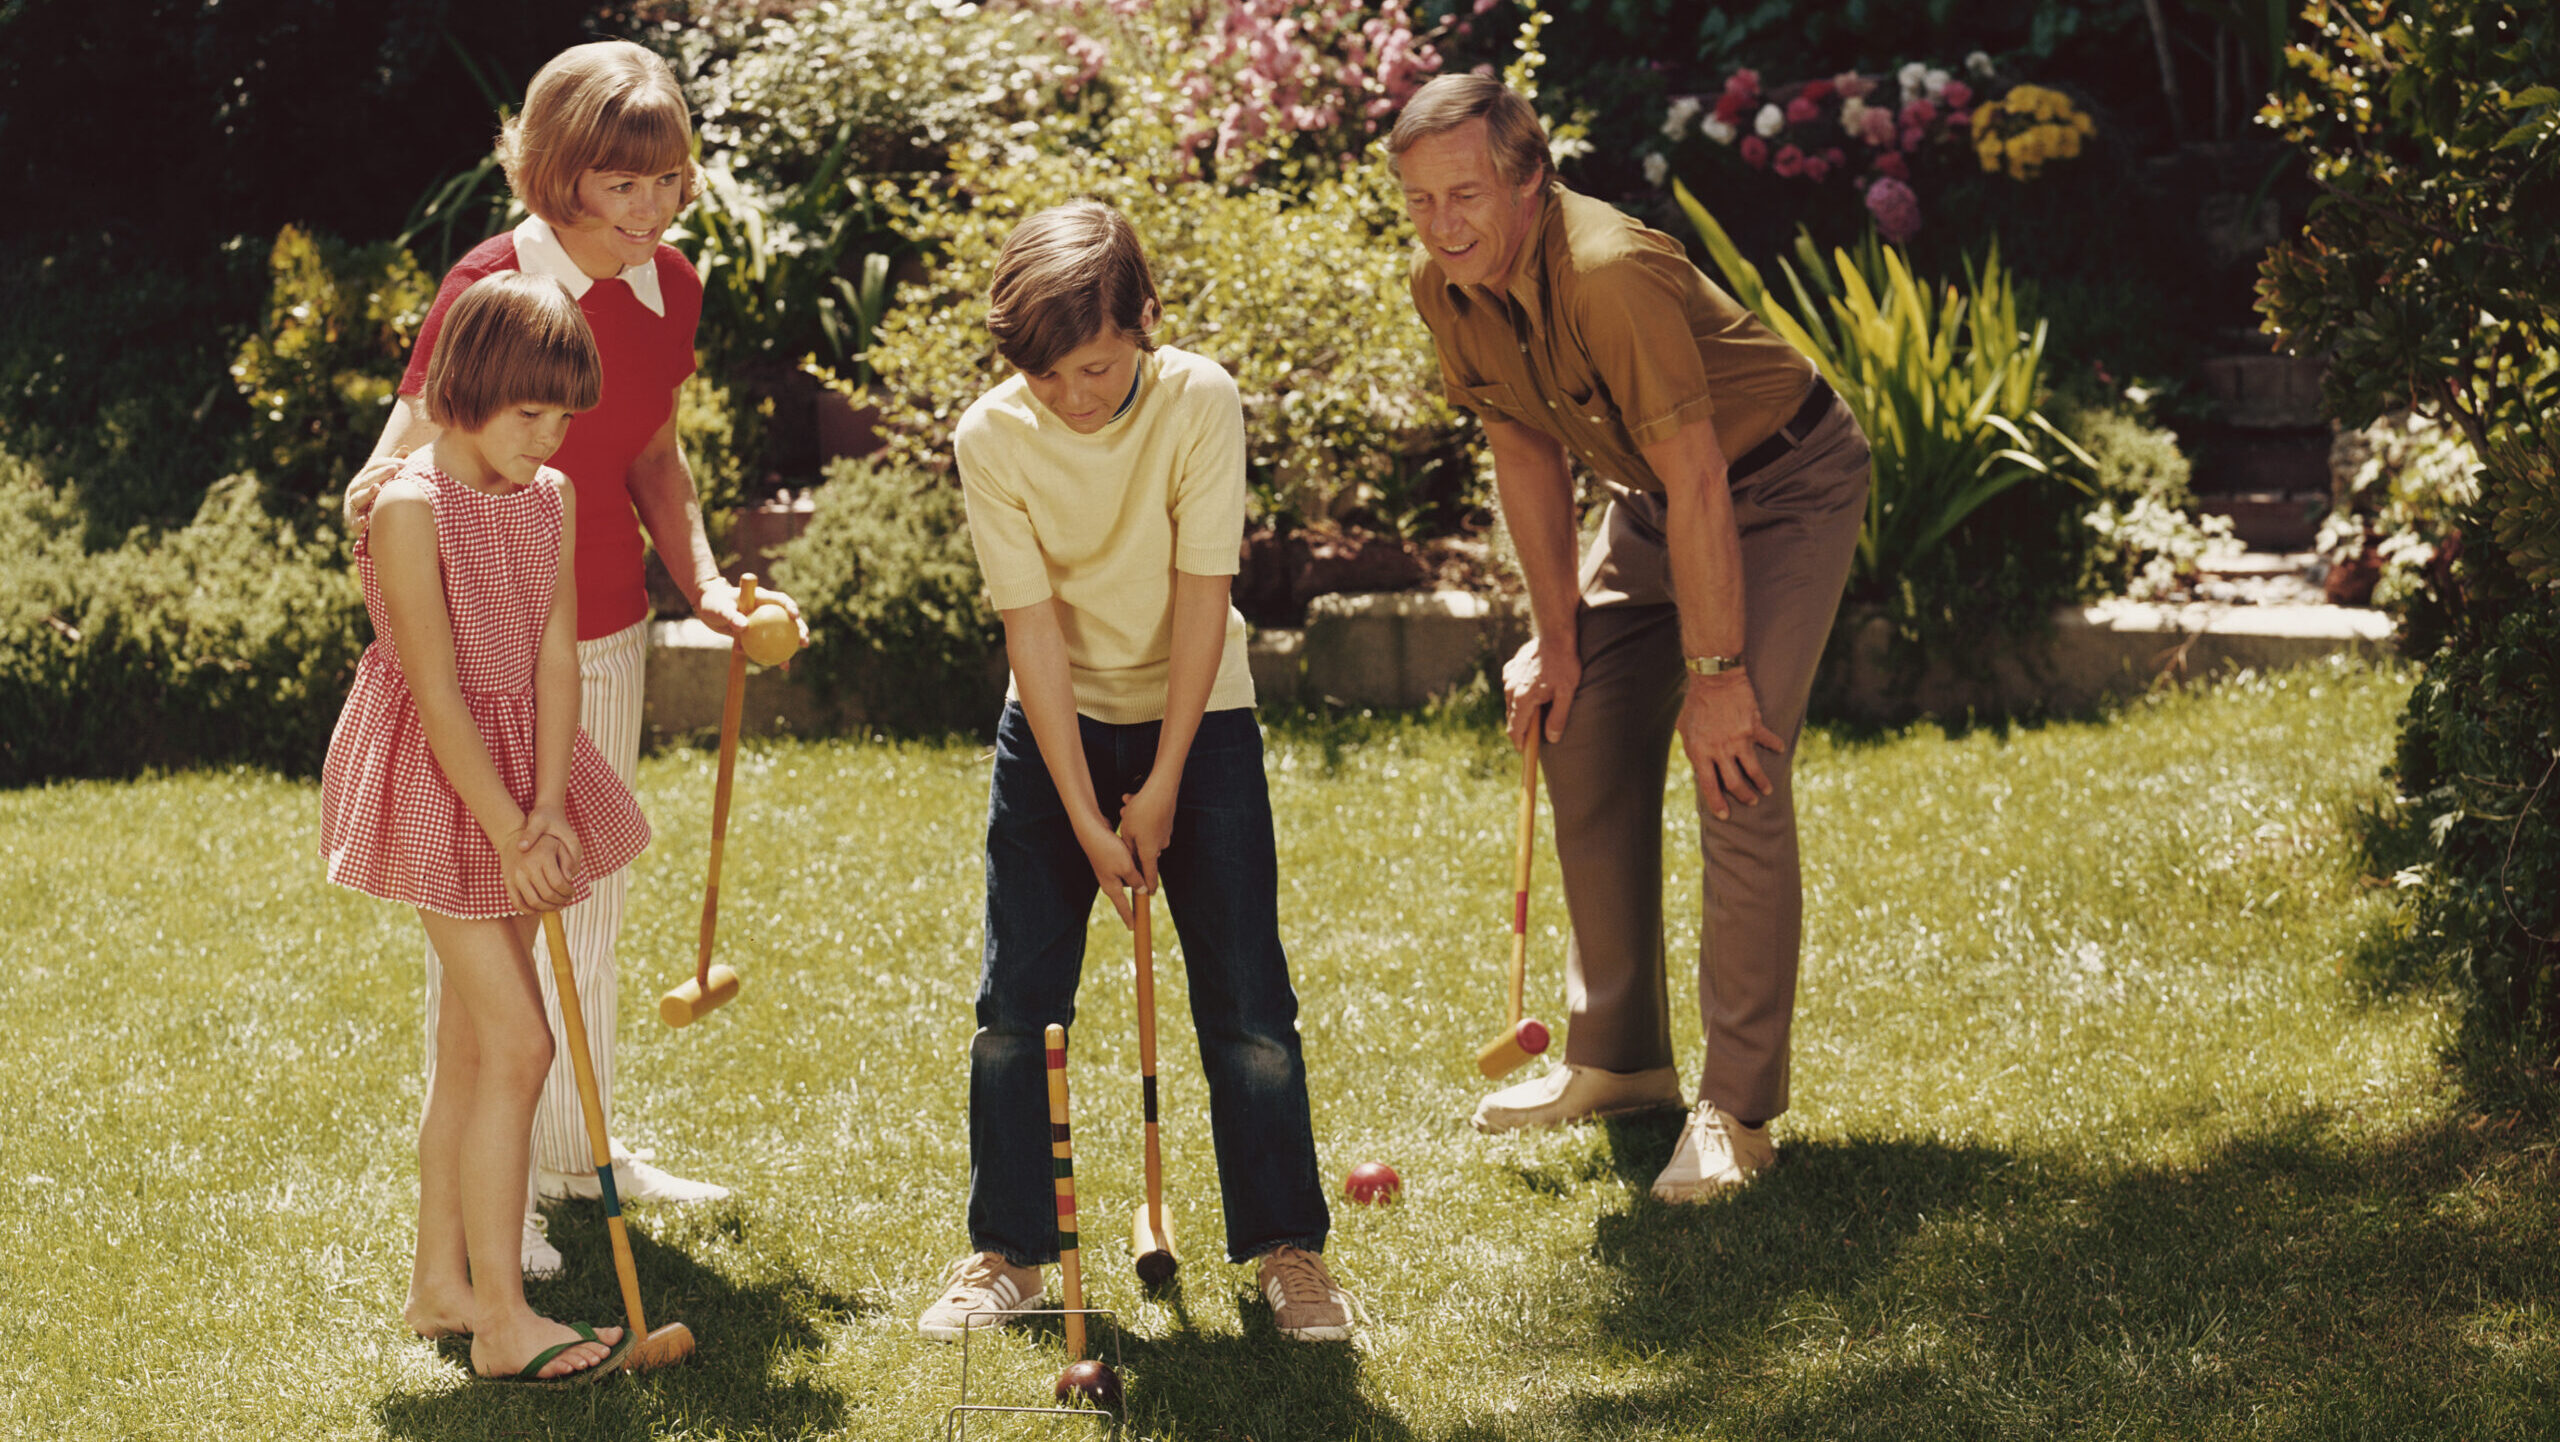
[(1220, 876)]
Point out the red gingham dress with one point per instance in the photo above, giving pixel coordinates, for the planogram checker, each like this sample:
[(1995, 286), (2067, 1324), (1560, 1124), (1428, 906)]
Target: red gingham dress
[(390, 824)]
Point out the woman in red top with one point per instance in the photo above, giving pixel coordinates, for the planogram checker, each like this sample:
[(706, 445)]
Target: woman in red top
[(601, 156)]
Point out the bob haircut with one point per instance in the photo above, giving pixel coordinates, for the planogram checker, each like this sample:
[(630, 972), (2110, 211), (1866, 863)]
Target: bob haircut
[(511, 339), (1512, 129), (609, 105), (1064, 275)]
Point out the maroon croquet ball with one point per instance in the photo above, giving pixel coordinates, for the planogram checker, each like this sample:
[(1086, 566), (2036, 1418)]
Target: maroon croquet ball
[(1090, 1384), (1373, 1182)]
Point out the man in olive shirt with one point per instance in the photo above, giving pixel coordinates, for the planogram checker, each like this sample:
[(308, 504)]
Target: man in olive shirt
[(1736, 486)]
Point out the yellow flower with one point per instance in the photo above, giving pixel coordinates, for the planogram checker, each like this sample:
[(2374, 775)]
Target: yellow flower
[(2019, 170), (1983, 118), (2084, 124), (2066, 142)]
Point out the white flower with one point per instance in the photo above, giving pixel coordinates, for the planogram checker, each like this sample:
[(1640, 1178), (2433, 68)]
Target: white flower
[(1655, 168), (1850, 111), (1718, 129), (1567, 147), (1769, 121), (1913, 77), (1683, 110), (1978, 65), (1936, 81)]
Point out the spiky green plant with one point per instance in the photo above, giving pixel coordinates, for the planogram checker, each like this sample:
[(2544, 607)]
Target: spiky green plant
[(1946, 389)]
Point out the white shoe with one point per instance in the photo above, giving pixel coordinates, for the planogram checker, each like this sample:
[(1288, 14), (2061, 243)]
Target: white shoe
[(1570, 1093), (979, 1290), (541, 1259), (1716, 1155), (634, 1180)]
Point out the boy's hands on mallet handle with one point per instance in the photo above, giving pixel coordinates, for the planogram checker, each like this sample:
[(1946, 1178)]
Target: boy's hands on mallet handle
[(1115, 866), (1146, 822)]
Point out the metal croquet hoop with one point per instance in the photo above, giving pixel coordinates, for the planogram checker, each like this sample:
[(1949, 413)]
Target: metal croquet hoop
[(955, 1422)]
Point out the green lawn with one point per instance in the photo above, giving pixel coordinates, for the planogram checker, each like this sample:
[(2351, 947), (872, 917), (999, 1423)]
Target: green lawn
[(2097, 1133)]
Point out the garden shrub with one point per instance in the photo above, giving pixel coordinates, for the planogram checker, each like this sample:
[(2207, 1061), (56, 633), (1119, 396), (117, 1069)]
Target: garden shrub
[(2400, 481), (898, 621), (2430, 276), (1297, 286), (232, 638), (2145, 540), (894, 85), (112, 372), (323, 369)]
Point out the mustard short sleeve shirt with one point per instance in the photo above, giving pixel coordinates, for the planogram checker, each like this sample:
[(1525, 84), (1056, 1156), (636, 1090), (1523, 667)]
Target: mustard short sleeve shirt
[(1608, 341)]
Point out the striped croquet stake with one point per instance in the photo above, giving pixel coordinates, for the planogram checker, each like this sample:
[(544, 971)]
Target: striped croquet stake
[(1062, 1165)]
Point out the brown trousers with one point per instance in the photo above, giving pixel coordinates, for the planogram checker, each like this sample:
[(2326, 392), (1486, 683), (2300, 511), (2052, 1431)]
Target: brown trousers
[(1799, 519)]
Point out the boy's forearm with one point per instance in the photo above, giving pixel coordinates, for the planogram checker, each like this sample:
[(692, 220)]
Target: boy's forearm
[(1035, 646), (1199, 646)]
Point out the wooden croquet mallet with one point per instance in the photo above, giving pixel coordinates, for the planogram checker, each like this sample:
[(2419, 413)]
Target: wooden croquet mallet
[(712, 987), (1524, 1036), (673, 1342), (1062, 1165), (1151, 1230)]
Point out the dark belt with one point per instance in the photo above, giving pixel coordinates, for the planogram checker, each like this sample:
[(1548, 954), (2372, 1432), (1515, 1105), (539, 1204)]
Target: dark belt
[(1817, 404)]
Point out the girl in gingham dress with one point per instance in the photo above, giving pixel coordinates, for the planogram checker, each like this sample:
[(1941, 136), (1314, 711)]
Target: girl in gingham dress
[(459, 783)]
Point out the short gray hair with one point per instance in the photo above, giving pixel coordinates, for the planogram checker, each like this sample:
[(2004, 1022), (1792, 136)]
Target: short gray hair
[(1512, 129)]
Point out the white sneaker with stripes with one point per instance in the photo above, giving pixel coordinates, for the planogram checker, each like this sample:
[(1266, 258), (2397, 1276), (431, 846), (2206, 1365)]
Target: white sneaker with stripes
[(980, 1290)]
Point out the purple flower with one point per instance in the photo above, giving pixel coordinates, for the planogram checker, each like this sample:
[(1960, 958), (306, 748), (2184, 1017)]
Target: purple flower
[(1896, 209)]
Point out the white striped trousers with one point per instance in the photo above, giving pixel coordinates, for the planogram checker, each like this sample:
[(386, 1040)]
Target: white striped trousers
[(609, 697)]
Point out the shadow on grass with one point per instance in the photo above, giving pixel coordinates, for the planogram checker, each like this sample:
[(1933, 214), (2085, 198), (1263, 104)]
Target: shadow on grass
[(726, 1387), (2299, 1281), (1258, 1384)]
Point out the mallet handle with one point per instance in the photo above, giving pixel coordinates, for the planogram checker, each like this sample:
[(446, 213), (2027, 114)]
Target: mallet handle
[(732, 710), (574, 1023), (1062, 1165), (1146, 963), (1520, 869)]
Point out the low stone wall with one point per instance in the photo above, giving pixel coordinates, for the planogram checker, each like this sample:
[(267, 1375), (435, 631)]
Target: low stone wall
[(1403, 649)]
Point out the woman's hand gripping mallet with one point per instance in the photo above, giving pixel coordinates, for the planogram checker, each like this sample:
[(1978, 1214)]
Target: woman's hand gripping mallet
[(767, 644), (1524, 1037), (673, 1342)]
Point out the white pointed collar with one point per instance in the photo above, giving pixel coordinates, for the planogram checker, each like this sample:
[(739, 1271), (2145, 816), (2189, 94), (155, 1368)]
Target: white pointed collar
[(538, 249)]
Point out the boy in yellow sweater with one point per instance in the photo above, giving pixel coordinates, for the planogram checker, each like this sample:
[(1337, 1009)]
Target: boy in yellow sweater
[(1106, 492)]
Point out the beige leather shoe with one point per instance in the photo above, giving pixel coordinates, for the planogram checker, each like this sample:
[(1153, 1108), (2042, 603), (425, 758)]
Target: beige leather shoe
[(1716, 1155), (1570, 1093)]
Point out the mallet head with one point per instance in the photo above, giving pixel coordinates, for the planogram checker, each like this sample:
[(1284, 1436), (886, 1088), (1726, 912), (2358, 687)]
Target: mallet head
[(688, 1001), (772, 636), (1509, 1051), (1153, 1247), (664, 1347)]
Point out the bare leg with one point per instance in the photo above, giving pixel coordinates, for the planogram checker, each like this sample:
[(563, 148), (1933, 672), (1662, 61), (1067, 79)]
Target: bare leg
[(489, 990), (440, 1301)]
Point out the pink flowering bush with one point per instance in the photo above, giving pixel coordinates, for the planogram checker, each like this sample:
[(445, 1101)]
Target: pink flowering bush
[(1266, 73)]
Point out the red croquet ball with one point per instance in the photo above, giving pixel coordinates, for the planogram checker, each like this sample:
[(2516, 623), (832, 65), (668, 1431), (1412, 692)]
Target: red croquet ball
[(1533, 1036), (1090, 1384), (1373, 1182)]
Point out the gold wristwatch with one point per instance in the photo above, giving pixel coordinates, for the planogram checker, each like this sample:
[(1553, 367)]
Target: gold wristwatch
[(1714, 665)]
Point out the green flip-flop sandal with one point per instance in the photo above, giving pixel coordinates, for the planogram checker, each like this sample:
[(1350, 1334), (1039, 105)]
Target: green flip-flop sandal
[(531, 1373)]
